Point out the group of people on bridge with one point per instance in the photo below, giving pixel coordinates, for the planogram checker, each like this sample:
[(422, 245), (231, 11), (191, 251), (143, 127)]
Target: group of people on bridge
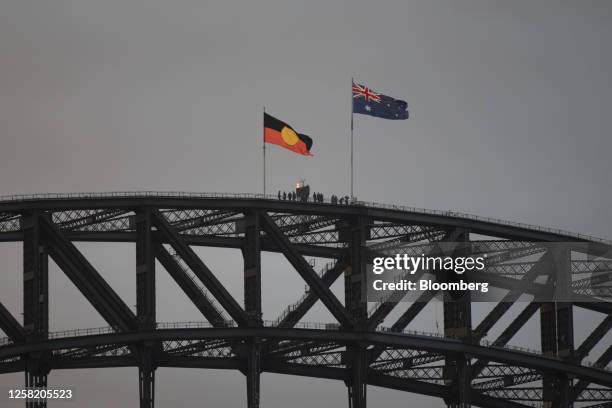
[(314, 197)]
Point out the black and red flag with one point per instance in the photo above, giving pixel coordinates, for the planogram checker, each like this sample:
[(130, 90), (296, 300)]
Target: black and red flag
[(279, 133)]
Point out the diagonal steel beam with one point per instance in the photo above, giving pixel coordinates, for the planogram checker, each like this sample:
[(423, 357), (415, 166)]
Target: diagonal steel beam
[(192, 291), (410, 314), (502, 307), (306, 272), (305, 304), (601, 362), (403, 321), (508, 333), (387, 307), (543, 291), (414, 309), (596, 335), (85, 277), (198, 267), (11, 326)]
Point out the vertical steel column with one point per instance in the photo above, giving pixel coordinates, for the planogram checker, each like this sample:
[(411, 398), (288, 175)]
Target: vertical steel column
[(253, 373), (548, 338), (146, 376), (356, 233), (251, 251), (35, 300), (557, 331), (458, 324), (357, 384), (145, 270), (145, 304)]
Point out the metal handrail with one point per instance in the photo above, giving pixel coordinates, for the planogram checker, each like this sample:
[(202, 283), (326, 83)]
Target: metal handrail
[(294, 305), (199, 195), (194, 279)]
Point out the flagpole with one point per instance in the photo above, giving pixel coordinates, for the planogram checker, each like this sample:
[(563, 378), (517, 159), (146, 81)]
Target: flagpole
[(263, 139), (352, 154)]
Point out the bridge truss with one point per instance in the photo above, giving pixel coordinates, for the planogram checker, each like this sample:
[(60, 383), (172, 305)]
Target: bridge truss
[(462, 366)]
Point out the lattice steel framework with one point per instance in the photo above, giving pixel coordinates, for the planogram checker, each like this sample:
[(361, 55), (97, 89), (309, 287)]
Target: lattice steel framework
[(462, 366)]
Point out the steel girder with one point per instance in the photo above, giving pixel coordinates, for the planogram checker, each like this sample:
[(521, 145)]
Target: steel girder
[(416, 342), (212, 359), (194, 291), (306, 272), (199, 269), (11, 326), (102, 297), (356, 354)]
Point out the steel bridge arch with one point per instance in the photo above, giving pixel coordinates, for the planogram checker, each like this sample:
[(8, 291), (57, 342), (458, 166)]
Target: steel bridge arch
[(459, 367)]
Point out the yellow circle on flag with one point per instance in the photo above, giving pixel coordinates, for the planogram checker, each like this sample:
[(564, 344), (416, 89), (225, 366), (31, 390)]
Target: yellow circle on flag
[(289, 136)]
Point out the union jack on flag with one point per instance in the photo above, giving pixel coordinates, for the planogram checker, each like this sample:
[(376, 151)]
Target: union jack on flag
[(368, 102), (360, 91)]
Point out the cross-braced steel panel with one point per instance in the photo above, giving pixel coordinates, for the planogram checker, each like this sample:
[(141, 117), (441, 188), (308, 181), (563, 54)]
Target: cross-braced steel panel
[(463, 364)]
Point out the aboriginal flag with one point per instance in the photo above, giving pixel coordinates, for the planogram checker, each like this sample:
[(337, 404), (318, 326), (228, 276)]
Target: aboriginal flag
[(279, 133)]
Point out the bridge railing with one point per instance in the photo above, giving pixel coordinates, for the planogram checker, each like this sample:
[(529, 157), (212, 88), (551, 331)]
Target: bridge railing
[(457, 214), (272, 324), (194, 325), (130, 194), (197, 283), (200, 195)]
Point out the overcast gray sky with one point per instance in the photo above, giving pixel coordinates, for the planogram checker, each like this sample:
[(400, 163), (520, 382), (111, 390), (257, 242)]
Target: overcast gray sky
[(510, 104)]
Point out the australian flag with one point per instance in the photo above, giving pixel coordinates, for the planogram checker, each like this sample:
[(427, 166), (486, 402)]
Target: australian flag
[(368, 102)]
